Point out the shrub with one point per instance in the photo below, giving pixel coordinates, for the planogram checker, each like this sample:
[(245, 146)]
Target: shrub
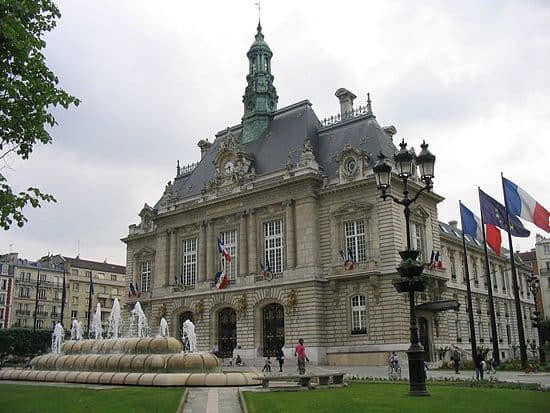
[(24, 342)]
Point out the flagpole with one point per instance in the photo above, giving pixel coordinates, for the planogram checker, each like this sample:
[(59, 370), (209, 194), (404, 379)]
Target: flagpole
[(519, 320), (90, 302), (496, 355), (63, 296), (469, 294)]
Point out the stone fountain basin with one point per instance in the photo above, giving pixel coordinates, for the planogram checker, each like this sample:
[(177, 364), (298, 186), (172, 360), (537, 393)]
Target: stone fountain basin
[(147, 345)]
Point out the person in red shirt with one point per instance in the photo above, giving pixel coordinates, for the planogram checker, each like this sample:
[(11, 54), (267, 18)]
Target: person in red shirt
[(300, 353)]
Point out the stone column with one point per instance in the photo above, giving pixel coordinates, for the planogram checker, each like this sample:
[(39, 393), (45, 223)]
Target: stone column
[(210, 250), (173, 251), (290, 237), (202, 252), (252, 243), (307, 242), (243, 245)]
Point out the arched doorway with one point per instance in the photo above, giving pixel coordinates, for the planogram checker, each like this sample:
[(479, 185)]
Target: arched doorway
[(273, 317), (227, 332), (186, 315), (424, 337)]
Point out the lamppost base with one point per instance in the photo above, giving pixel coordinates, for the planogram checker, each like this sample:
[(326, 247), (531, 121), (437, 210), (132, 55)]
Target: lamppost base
[(417, 374)]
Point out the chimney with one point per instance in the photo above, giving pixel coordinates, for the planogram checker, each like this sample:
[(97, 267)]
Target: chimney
[(346, 99), (204, 145), (453, 224)]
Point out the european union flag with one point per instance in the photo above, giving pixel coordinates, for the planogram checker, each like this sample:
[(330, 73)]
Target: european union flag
[(494, 213)]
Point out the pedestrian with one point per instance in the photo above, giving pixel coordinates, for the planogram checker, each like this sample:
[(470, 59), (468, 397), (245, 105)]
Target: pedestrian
[(300, 353), (281, 359), (479, 363), (267, 366), (456, 360)]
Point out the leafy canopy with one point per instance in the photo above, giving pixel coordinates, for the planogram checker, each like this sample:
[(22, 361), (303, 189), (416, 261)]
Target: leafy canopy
[(28, 93)]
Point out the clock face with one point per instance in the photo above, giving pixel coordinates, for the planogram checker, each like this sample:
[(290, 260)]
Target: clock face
[(351, 166), (228, 167)]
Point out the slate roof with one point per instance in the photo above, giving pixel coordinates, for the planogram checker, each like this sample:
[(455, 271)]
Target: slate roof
[(284, 140), (95, 265)]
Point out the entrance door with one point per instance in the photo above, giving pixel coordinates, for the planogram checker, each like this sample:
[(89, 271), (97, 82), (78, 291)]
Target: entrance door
[(187, 315), (425, 337), (227, 332), (273, 329)]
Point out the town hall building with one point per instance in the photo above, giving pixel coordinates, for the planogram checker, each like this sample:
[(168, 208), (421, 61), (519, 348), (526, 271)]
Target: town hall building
[(310, 247)]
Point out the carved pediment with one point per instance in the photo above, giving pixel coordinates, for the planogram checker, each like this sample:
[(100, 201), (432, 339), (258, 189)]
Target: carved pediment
[(144, 252), (234, 166), (146, 214), (419, 213), (353, 207)]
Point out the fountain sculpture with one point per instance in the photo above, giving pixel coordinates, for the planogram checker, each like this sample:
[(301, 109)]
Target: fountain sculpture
[(189, 337), (137, 360), (163, 329)]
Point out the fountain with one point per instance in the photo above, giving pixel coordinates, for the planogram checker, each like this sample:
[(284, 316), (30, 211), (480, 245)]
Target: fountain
[(96, 327), (137, 360), (189, 337), (114, 320), (139, 326), (163, 329), (76, 330), (57, 338)]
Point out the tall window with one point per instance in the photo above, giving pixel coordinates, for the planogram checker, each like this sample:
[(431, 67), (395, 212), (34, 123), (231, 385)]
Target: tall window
[(463, 259), (189, 269), (480, 330), (476, 274), (453, 267), (417, 239), (358, 315), (145, 273), (273, 242), (458, 330), (355, 239), (229, 239), (42, 294)]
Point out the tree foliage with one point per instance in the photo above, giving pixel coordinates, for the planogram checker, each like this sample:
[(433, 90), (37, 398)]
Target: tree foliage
[(28, 93), (25, 342)]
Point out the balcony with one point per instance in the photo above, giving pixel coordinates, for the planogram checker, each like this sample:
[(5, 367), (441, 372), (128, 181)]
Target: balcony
[(22, 312), (55, 315), (42, 313)]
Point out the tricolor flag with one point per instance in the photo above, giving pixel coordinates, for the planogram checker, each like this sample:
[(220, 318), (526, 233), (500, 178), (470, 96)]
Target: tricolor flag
[(348, 261), (221, 279), (523, 205), (471, 225), (223, 251), (494, 213), (435, 260), (132, 292)]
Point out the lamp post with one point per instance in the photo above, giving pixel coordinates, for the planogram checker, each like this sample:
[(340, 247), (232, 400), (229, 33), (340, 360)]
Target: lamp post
[(410, 269), (534, 285)]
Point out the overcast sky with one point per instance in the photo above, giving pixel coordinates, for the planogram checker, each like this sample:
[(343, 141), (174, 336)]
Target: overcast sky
[(156, 76)]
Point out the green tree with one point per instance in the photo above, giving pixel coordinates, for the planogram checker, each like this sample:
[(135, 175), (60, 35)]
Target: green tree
[(28, 94)]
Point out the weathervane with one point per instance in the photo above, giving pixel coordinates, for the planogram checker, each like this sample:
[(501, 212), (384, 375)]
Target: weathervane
[(259, 8)]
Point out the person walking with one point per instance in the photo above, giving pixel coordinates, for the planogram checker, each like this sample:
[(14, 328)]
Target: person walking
[(281, 359), (456, 360), (300, 353), (479, 362)]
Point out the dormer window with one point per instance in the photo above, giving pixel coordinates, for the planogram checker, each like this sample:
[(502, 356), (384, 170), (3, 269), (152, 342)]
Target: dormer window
[(351, 166)]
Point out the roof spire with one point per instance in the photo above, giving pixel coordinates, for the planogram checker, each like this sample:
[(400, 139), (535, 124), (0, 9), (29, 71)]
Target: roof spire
[(369, 105), (259, 4)]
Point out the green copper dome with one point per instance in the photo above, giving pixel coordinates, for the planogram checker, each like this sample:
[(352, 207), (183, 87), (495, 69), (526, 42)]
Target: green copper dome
[(259, 45)]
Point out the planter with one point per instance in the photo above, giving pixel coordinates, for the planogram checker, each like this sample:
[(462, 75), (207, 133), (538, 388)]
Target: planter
[(412, 254), (406, 284)]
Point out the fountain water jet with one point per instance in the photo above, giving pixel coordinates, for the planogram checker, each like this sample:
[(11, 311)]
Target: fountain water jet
[(96, 327), (139, 327), (163, 330), (57, 338), (115, 320), (189, 336), (76, 330)]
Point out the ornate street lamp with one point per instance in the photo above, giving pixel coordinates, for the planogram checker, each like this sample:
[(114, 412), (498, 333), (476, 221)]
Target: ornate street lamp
[(534, 285), (410, 270)]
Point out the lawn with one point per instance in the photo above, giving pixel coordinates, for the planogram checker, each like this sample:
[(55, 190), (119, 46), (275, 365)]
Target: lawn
[(386, 397), (46, 399)]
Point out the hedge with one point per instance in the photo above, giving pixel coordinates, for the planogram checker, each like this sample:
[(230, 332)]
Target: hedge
[(25, 342)]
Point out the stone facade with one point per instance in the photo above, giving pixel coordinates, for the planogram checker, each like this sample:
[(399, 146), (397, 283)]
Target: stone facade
[(301, 201)]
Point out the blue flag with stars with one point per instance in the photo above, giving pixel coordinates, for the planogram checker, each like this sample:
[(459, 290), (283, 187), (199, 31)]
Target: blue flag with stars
[(494, 213)]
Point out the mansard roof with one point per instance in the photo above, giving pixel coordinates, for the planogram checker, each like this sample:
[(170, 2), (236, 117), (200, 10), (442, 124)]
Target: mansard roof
[(283, 141)]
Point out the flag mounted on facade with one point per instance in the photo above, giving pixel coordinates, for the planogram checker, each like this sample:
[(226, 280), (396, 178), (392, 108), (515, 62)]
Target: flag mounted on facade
[(221, 280), (523, 205), (435, 260), (132, 291), (223, 251), (494, 213), (348, 261), (266, 271)]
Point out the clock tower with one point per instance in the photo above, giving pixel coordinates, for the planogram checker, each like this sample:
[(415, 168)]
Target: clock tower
[(260, 97)]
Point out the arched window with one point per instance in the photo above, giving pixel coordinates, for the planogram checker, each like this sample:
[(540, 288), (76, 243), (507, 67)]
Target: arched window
[(358, 314)]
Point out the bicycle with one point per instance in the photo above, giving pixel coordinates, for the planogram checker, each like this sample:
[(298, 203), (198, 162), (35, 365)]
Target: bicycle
[(394, 372)]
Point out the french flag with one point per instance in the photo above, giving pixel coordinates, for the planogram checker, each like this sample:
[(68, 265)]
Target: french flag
[(523, 205), (223, 251), (471, 225), (221, 279)]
